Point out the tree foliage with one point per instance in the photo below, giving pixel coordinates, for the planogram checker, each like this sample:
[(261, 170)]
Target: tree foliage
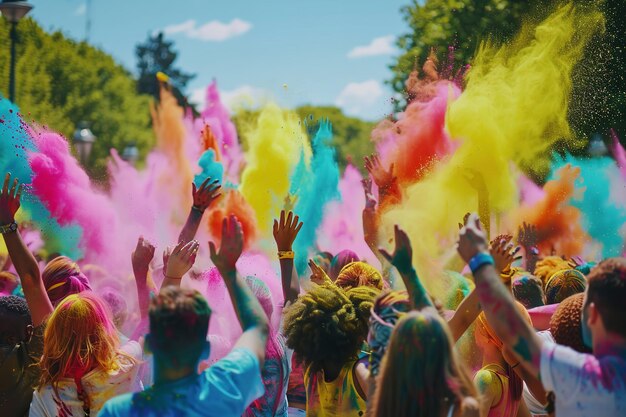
[(158, 55), (60, 82), (599, 99)]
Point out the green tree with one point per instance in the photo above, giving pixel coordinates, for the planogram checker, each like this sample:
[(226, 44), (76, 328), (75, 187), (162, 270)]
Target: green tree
[(61, 82), (599, 98), (158, 55)]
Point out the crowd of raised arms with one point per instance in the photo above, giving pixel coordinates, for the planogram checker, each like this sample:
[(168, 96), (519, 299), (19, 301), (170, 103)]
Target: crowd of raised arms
[(544, 335)]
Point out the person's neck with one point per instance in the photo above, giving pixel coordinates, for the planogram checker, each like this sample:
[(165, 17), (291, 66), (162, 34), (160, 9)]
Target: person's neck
[(610, 345), (166, 372)]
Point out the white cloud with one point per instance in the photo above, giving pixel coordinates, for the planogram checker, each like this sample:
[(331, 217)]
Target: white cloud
[(242, 96), (81, 10), (361, 99), (213, 31), (379, 46)]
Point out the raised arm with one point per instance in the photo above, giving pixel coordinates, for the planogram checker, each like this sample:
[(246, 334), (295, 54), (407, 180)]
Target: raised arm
[(23, 260), (141, 257), (179, 262), (388, 188), (202, 199), (496, 300), (402, 259), (253, 320), (527, 238), (285, 232), (469, 309)]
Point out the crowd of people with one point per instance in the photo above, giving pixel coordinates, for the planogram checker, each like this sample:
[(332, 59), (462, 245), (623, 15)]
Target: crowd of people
[(546, 335)]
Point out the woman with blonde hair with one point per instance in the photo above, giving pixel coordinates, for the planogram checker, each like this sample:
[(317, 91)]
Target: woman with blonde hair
[(497, 381), (421, 374), (83, 365)]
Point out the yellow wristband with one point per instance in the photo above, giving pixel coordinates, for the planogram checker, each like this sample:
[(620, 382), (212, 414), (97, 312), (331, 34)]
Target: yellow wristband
[(286, 254)]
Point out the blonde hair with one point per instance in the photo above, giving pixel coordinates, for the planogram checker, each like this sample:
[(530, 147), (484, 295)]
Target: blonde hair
[(357, 274), (421, 374), (79, 336)]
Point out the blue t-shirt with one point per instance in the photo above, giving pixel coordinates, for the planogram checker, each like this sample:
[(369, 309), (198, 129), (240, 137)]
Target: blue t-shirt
[(225, 389)]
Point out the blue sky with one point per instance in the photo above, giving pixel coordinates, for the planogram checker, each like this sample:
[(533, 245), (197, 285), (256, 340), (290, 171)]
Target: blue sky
[(295, 52)]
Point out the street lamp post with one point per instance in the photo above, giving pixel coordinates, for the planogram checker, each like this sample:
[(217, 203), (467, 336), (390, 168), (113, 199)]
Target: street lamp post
[(130, 154), (83, 142), (13, 11)]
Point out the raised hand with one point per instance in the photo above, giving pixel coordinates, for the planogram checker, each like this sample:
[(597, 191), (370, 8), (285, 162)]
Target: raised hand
[(382, 177), (286, 230), (370, 200), (503, 252), (527, 235), (232, 246), (9, 200), (142, 255), (318, 275), (206, 194), (472, 238), (181, 259), (402, 256)]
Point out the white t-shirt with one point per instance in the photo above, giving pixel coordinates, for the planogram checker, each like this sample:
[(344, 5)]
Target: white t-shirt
[(99, 385), (534, 406), (223, 390), (583, 385)]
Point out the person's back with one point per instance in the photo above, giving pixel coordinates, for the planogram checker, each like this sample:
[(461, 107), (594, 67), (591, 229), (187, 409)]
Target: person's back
[(75, 383), (224, 389), (179, 322), (337, 397), (421, 375), (585, 384)]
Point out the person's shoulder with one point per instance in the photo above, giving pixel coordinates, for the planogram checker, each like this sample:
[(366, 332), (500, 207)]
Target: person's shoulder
[(488, 382), (469, 407), (237, 359), (118, 406)]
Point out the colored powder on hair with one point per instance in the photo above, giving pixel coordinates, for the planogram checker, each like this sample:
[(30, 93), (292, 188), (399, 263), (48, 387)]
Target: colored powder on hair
[(317, 189), (16, 145), (602, 214), (557, 221), (216, 115), (419, 139), (274, 146), (342, 226), (514, 107), (66, 191)]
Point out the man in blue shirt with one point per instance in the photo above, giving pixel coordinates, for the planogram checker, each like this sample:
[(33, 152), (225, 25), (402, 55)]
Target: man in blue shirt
[(179, 320)]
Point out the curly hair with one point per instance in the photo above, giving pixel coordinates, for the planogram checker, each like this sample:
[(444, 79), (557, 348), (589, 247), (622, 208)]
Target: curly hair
[(357, 274), (548, 266), (328, 324), (563, 284), (528, 290), (14, 306), (566, 326)]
